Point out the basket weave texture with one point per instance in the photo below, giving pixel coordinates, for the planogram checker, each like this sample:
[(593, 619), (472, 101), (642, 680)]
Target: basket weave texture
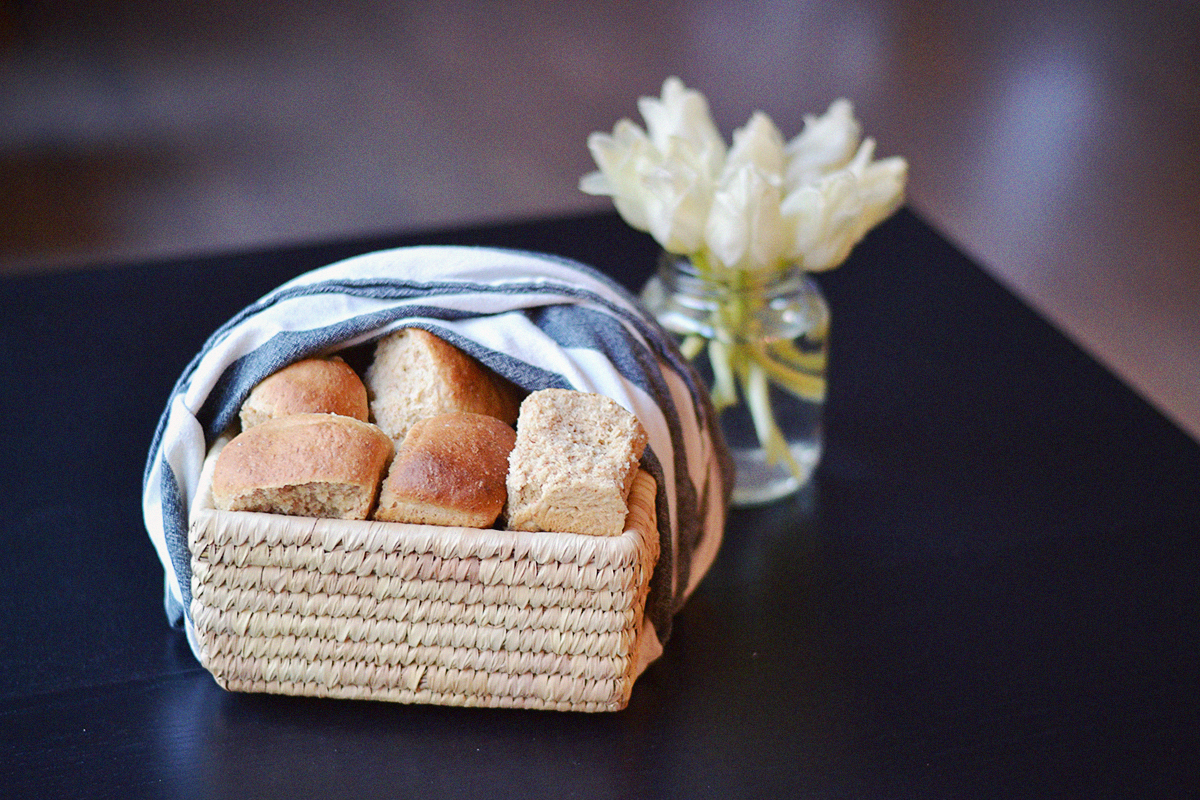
[(420, 613)]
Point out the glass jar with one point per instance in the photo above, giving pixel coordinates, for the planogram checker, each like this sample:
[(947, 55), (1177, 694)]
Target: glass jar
[(761, 344)]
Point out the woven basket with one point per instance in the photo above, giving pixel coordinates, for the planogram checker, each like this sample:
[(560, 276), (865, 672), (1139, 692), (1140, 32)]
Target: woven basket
[(419, 613)]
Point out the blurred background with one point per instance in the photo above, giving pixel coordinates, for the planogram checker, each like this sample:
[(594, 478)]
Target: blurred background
[(1057, 143)]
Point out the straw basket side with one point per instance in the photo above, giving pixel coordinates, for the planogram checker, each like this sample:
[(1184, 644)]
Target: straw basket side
[(420, 613)]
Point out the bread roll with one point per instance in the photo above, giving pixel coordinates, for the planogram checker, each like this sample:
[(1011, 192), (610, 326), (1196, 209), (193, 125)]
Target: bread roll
[(309, 465), (416, 375), (314, 385), (450, 470), (573, 464)]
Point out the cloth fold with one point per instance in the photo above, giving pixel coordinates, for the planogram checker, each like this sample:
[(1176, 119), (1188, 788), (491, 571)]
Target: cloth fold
[(539, 321)]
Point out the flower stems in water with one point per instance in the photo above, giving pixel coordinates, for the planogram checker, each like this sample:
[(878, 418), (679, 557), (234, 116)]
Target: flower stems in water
[(745, 364)]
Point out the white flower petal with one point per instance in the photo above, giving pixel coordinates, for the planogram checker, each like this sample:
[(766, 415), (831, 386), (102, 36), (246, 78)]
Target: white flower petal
[(827, 143), (744, 229), (621, 157), (882, 189), (758, 143), (804, 212), (682, 113), (596, 183), (830, 216), (677, 200)]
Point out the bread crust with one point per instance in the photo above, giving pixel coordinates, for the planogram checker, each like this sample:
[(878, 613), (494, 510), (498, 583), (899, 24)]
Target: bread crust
[(450, 470), (415, 375), (312, 385), (321, 465)]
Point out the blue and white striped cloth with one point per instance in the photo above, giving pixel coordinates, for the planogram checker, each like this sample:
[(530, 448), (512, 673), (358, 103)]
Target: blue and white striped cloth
[(539, 321)]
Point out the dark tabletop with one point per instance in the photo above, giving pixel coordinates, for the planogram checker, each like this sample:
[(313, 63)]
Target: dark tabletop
[(989, 591)]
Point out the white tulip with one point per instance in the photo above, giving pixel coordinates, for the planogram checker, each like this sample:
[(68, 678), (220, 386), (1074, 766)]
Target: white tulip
[(824, 216), (745, 230), (682, 114), (623, 157), (881, 185), (676, 196), (829, 217), (661, 180), (758, 143), (826, 144)]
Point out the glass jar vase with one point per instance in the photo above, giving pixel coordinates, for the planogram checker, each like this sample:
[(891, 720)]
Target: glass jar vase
[(761, 344)]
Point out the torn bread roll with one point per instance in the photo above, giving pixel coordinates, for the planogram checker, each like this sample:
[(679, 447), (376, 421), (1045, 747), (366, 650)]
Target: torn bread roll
[(308, 465), (573, 464), (415, 375), (313, 385), (450, 470)]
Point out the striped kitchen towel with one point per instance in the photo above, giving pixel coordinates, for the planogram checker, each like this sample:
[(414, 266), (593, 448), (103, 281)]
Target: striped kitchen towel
[(538, 320)]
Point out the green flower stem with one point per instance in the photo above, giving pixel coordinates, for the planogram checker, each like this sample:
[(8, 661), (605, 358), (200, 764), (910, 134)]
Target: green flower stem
[(692, 345), (724, 388), (769, 435), (803, 375)]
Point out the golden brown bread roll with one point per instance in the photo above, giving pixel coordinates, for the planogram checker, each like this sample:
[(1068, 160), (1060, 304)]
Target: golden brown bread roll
[(314, 385), (416, 375), (573, 464), (310, 465), (449, 470)]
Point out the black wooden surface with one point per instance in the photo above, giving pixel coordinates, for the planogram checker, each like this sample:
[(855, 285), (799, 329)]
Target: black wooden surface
[(989, 591)]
